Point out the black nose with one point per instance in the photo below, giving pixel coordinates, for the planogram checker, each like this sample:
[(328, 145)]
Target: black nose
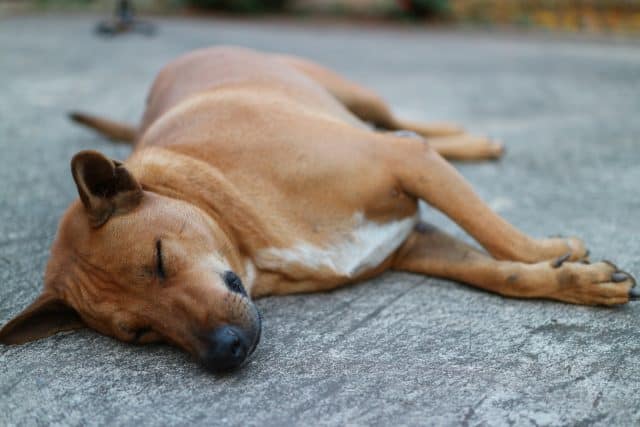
[(226, 349)]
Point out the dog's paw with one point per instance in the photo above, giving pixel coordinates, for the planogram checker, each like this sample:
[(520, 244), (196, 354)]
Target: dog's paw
[(494, 149), (561, 249), (600, 283), (469, 147)]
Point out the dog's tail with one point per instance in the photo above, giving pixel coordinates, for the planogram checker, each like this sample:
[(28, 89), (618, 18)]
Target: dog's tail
[(118, 132)]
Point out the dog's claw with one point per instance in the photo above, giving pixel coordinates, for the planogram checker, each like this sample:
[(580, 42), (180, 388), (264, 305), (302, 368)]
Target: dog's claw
[(630, 277), (634, 294), (559, 261), (619, 276), (585, 258)]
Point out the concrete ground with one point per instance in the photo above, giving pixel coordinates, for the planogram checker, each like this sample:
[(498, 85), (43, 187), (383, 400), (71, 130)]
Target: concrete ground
[(398, 350)]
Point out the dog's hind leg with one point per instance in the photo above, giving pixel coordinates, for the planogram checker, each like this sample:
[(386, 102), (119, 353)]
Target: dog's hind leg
[(432, 252), (448, 139), (363, 102), (424, 174)]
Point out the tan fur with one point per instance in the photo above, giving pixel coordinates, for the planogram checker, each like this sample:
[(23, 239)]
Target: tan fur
[(241, 155)]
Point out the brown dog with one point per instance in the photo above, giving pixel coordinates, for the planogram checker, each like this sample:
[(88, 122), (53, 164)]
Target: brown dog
[(256, 174)]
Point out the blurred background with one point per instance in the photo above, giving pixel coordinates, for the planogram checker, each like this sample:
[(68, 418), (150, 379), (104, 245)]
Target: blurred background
[(593, 16), (557, 81)]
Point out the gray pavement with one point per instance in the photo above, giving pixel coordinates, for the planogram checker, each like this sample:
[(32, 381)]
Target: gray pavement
[(398, 350)]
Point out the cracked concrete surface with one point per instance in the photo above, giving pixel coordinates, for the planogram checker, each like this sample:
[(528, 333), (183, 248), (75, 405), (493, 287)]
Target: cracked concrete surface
[(398, 350)]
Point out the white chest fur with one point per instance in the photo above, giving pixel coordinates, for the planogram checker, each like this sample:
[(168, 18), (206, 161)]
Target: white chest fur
[(365, 246)]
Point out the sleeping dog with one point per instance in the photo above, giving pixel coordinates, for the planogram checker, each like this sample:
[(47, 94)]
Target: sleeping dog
[(257, 174)]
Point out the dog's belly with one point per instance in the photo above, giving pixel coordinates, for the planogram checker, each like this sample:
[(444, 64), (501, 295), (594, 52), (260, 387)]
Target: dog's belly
[(351, 253)]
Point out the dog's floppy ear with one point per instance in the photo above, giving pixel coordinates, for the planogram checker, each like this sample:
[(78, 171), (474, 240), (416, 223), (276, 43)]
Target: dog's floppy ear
[(105, 186), (46, 316)]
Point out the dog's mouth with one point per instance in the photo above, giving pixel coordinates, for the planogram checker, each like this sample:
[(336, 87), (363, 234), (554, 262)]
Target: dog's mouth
[(256, 339)]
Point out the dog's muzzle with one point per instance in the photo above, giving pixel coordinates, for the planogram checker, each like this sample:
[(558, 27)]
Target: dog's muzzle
[(228, 346)]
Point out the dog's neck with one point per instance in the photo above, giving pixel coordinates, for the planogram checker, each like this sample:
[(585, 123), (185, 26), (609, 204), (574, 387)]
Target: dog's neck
[(172, 174)]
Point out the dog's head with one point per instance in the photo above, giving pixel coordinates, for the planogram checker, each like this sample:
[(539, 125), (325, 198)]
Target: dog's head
[(142, 268)]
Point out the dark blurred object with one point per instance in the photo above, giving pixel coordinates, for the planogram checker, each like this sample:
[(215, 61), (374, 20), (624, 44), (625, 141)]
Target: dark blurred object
[(241, 6), (124, 20), (426, 8)]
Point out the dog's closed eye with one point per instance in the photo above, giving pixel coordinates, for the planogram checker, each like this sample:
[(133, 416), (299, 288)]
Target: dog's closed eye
[(160, 272), (234, 283)]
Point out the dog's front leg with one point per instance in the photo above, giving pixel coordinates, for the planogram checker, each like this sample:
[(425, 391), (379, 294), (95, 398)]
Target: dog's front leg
[(432, 252), (424, 174)]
